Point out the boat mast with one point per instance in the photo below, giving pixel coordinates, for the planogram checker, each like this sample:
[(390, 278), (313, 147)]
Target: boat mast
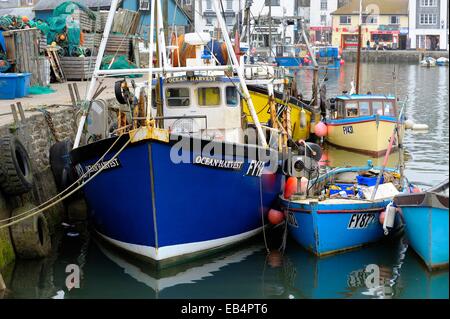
[(101, 52), (150, 63), (358, 56), (162, 63), (270, 29), (240, 72)]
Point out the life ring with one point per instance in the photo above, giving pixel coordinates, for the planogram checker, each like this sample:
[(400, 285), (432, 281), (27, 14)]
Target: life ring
[(16, 177), (31, 237)]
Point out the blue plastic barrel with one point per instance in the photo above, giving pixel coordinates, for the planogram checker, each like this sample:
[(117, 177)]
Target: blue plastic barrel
[(23, 84), (2, 41), (8, 84)]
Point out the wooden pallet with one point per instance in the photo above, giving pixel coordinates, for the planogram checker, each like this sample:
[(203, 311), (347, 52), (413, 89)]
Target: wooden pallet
[(126, 22), (52, 54)]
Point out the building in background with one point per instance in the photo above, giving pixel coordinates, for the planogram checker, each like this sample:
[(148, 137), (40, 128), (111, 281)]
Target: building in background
[(205, 16), (384, 24), (320, 28), (428, 24)]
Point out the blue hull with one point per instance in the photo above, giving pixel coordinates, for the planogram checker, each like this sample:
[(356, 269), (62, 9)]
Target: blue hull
[(426, 218), (331, 228), (152, 207), (289, 62)]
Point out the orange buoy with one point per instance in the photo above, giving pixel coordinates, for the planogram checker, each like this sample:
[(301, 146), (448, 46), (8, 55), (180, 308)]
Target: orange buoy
[(320, 129), (416, 190), (25, 19), (275, 216), (62, 37), (290, 187)]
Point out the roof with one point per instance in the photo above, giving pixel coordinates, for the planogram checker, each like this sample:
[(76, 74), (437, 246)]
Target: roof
[(24, 11), (399, 7), (365, 97), (52, 4)]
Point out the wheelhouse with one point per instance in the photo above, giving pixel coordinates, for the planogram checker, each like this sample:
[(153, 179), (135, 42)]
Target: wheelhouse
[(363, 105)]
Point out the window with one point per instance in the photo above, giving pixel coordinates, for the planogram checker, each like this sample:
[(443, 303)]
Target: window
[(230, 5), (274, 3), (178, 97), (428, 19), (323, 19), (208, 5), (351, 109), (324, 5), (208, 96), (395, 20), (389, 109), (229, 21), (428, 3), (364, 108), (186, 2), (377, 108), (209, 21), (232, 96), (144, 5), (345, 19), (369, 19)]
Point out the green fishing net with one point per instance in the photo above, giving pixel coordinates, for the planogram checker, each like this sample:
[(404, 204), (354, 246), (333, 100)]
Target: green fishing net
[(120, 62), (39, 90), (69, 7)]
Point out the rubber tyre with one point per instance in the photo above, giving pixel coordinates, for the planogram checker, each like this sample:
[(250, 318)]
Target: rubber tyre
[(31, 237), (63, 172), (16, 177), (119, 93)]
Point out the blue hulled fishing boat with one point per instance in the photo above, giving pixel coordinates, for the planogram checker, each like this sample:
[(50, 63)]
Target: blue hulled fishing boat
[(177, 175), (426, 218), (339, 213)]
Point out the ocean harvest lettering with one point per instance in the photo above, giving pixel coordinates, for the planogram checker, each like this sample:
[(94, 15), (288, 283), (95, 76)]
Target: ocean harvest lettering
[(113, 164), (219, 163)]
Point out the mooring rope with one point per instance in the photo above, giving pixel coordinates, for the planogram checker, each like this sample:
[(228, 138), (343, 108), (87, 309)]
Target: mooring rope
[(28, 214)]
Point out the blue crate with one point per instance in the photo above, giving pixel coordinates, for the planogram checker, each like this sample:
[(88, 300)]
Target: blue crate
[(8, 85), (368, 181), (338, 187), (23, 84)]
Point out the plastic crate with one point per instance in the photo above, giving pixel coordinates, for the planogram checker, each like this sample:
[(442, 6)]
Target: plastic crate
[(23, 84), (348, 188), (368, 181), (8, 85)]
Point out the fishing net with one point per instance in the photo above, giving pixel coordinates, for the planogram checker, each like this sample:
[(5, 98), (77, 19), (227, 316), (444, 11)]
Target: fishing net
[(40, 90), (110, 62), (69, 7), (73, 34)]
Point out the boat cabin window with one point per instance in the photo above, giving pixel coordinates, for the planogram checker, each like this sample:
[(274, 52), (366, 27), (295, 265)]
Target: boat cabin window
[(351, 109), (364, 108), (178, 97), (340, 113), (389, 109), (377, 108), (208, 97), (232, 96)]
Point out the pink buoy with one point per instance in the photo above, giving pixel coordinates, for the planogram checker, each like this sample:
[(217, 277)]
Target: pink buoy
[(275, 216), (382, 217), (342, 62), (320, 129)]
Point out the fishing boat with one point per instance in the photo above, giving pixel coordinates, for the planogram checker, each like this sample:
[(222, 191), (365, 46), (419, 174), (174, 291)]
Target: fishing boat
[(177, 177), (428, 62), (364, 122), (442, 61), (340, 210), (327, 57), (426, 218)]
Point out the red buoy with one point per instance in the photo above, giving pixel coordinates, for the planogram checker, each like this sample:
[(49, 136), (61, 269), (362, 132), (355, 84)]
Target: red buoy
[(342, 62), (275, 216), (290, 187)]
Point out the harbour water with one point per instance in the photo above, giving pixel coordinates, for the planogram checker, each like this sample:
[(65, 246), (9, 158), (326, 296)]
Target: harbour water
[(248, 271)]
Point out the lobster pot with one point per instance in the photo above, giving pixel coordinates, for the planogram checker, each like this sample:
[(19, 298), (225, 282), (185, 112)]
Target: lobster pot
[(23, 51), (118, 43), (126, 22), (78, 68), (92, 41), (103, 14), (86, 23), (42, 43)]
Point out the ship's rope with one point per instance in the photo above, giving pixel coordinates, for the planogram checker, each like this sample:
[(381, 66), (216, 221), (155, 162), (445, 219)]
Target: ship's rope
[(60, 197)]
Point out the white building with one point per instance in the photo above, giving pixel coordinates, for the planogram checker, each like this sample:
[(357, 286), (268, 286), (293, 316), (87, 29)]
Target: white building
[(205, 16), (428, 24), (320, 25)]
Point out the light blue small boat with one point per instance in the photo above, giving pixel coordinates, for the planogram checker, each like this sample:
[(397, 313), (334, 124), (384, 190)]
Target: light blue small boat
[(327, 225), (426, 223)]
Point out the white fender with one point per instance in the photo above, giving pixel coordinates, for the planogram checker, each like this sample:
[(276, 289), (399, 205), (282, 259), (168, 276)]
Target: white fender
[(389, 219)]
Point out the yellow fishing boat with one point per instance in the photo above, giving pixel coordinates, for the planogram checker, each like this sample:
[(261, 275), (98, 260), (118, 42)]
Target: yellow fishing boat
[(363, 123), (301, 112)]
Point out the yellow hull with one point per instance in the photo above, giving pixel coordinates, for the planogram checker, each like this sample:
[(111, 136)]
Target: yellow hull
[(366, 136), (260, 101)]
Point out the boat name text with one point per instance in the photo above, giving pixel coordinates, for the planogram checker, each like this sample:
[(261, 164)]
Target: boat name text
[(219, 163), (115, 163)]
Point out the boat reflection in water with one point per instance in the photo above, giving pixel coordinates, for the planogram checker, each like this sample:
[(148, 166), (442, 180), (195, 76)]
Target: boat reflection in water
[(354, 274)]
